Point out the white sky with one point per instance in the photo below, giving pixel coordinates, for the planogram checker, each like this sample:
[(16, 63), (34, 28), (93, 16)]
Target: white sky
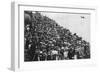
[(73, 22)]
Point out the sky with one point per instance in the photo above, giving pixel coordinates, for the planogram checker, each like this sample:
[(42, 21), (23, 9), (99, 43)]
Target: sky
[(76, 23)]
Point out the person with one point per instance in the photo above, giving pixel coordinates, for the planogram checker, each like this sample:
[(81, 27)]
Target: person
[(54, 54), (49, 56), (71, 53), (65, 54), (62, 54)]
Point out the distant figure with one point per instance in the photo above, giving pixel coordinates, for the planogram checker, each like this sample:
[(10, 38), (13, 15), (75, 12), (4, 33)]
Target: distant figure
[(71, 54), (82, 17)]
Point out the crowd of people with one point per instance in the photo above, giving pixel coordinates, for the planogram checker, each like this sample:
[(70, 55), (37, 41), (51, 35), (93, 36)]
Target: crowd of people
[(44, 39)]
